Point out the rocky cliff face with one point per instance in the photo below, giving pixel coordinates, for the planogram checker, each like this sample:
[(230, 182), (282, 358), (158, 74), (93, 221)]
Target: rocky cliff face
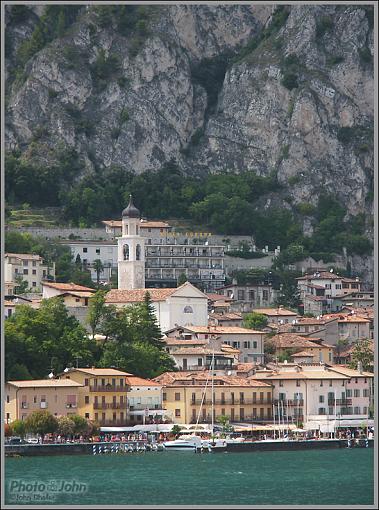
[(299, 103)]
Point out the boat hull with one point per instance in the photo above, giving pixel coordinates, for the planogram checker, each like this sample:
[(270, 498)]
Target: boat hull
[(311, 444)]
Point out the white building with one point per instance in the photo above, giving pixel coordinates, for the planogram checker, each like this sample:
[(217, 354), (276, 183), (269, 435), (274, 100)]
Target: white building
[(249, 342), (185, 305), (318, 396), (29, 268)]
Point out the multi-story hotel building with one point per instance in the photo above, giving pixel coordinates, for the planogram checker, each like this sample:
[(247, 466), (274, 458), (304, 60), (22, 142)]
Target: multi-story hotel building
[(168, 255), (189, 398), (26, 267)]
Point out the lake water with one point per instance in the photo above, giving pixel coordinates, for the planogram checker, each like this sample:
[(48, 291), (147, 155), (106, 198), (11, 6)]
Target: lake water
[(317, 477)]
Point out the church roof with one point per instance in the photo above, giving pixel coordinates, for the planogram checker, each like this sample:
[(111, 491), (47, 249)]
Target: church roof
[(137, 295), (131, 210)]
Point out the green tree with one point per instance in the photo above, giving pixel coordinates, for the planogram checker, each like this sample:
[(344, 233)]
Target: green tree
[(81, 425), (34, 337), (224, 421), (65, 426), (22, 285), (99, 268), (41, 422), (363, 353), (181, 279), (96, 310), (18, 427), (254, 320), (176, 429)]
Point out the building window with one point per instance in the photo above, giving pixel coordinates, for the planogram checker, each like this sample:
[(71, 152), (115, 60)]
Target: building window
[(7, 399), (26, 271), (98, 251), (188, 309), (246, 345), (281, 383), (321, 410), (330, 383), (86, 399), (349, 393), (357, 410), (86, 416), (321, 399), (255, 345), (357, 393), (34, 263), (177, 396), (177, 413), (34, 284), (321, 383), (25, 262), (366, 393), (297, 382), (265, 295), (85, 250), (241, 295), (252, 295), (164, 396), (34, 271), (86, 382)]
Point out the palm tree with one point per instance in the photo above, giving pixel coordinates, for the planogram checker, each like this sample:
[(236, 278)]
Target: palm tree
[(99, 268)]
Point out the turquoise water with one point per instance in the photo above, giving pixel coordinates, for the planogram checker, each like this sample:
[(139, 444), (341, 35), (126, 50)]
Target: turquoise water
[(317, 477)]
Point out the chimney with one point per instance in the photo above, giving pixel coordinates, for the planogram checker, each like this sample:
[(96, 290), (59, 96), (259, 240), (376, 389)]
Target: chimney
[(360, 367)]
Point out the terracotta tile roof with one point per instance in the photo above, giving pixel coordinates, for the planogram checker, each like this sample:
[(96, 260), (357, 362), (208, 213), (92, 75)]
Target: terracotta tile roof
[(176, 378), (101, 371), (218, 297), (225, 316), (67, 286), (137, 295), (197, 350), (23, 256), (134, 380), (302, 354), (292, 340), (275, 312), (82, 294), (350, 372), (245, 367), (45, 383), (301, 374), (178, 341), (222, 330)]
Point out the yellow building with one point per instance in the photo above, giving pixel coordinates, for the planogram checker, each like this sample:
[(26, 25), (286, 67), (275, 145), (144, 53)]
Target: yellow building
[(58, 396), (102, 395), (240, 399), (293, 343)]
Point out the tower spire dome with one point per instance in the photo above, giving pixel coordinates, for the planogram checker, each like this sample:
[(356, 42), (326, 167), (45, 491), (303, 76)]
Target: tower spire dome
[(131, 210)]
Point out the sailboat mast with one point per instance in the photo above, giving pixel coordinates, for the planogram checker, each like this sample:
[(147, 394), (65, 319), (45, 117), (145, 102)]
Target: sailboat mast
[(213, 393)]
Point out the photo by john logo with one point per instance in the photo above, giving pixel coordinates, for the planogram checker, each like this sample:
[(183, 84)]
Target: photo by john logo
[(44, 490)]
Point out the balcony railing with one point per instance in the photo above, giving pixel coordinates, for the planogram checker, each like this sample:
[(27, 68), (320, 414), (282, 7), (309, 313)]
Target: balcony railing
[(339, 401), (71, 406), (107, 387), (231, 402), (110, 405), (112, 423), (141, 407), (290, 402)]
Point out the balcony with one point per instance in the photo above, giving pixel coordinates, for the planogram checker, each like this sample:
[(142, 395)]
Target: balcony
[(231, 402), (71, 406), (112, 423), (340, 401), (142, 407), (110, 405), (108, 388), (289, 402)]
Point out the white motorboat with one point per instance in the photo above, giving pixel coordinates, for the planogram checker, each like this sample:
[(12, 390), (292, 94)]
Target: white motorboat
[(184, 442)]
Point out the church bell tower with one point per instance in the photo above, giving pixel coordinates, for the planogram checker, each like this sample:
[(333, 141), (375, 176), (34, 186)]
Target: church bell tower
[(131, 250)]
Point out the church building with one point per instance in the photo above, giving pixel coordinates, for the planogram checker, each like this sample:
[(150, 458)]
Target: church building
[(182, 306)]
